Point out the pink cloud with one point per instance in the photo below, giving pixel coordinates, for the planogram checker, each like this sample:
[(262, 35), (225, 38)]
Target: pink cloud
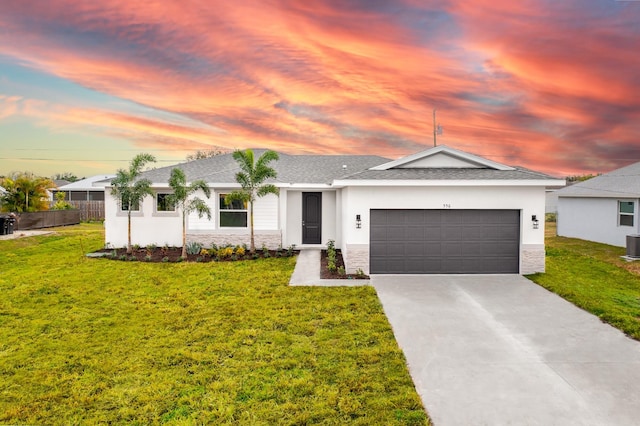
[(525, 82)]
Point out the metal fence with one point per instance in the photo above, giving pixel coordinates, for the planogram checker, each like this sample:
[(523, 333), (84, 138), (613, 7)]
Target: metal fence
[(46, 219)]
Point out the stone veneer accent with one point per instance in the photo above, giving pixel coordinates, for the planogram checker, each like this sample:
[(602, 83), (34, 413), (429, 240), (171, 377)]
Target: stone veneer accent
[(532, 258), (356, 256), (272, 239)]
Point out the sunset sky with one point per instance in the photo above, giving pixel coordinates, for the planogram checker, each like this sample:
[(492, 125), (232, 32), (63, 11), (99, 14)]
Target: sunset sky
[(549, 85)]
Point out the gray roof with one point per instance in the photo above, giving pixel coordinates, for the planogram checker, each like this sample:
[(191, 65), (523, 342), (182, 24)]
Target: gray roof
[(518, 173), (305, 169), (620, 183), (325, 169), (93, 183)]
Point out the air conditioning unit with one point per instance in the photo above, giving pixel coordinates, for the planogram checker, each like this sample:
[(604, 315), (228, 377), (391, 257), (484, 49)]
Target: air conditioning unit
[(633, 246)]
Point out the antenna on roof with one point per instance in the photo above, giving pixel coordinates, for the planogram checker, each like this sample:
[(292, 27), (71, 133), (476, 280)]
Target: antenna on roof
[(437, 129)]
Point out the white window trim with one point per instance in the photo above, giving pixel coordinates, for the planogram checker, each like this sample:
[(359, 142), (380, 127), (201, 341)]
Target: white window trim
[(220, 211), (633, 215)]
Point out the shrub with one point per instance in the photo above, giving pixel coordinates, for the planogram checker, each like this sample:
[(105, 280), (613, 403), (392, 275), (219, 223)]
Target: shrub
[(290, 250), (341, 271), (551, 217), (193, 247), (147, 258), (331, 256), (225, 252), (360, 273), (240, 251), (123, 257), (265, 251), (136, 247), (165, 259)]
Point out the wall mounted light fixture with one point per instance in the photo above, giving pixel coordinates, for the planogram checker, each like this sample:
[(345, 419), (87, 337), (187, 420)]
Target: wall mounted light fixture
[(358, 222), (535, 221)]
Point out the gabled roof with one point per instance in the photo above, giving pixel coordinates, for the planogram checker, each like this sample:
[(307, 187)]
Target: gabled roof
[(443, 163), (442, 157), (93, 183), (619, 183)]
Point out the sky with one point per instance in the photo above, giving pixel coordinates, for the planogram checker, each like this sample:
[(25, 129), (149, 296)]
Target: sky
[(553, 86)]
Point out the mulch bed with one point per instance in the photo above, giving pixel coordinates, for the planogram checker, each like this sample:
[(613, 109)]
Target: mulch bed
[(173, 255), (326, 275)]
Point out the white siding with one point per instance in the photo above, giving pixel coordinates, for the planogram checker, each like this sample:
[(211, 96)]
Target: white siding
[(265, 213), (195, 223), (594, 219)]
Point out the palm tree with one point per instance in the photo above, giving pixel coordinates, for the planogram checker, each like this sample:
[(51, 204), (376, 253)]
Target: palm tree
[(251, 178), (26, 193), (181, 199), (131, 190)]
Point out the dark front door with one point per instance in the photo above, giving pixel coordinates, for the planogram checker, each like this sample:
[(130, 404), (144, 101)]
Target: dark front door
[(311, 217)]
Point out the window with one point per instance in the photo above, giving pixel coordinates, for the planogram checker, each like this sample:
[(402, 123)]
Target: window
[(124, 206), (232, 215), (625, 213), (164, 203)]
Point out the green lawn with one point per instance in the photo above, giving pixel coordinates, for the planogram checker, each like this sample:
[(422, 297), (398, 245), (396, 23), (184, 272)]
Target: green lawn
[(99, 341), (595, 278)]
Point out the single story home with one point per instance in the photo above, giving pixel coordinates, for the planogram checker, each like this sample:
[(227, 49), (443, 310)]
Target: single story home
[(88, 189), (603, 209), (438, 211)]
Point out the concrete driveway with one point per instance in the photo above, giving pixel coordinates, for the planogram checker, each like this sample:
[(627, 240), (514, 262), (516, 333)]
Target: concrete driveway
[(500, 350)]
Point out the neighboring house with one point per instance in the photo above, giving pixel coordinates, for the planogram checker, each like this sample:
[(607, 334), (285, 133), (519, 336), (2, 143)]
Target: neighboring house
[(437, 211), (551, 196), (89, 189), (87, 195), (602, 209)]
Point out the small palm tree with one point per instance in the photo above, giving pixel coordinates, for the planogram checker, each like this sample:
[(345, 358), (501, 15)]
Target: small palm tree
[(182, 199), (251, 178), (131, 190)]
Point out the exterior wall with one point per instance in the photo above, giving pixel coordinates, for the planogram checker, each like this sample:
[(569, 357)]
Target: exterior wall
[(360, 200), (594, 219), (151, 227), (330, 217), (271, 239)]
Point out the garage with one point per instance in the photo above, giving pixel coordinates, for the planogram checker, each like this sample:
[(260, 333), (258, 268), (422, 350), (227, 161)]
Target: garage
[(444, 241)]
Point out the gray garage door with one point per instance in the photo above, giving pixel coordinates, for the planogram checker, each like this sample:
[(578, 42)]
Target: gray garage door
[(445, 241)]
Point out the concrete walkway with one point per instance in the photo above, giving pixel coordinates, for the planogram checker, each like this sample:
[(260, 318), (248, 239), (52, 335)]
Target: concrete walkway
[(307, 272), (500, 350), (23, 234)]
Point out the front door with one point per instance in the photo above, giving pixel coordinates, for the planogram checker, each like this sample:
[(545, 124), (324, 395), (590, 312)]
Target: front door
[(312, 218)]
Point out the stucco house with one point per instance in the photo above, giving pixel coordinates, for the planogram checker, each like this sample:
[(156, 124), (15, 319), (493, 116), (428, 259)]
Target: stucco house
[(603, 209), (438, 211)]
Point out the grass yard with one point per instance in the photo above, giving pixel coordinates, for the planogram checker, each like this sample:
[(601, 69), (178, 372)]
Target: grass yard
[(98, 341), (595, 278)]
